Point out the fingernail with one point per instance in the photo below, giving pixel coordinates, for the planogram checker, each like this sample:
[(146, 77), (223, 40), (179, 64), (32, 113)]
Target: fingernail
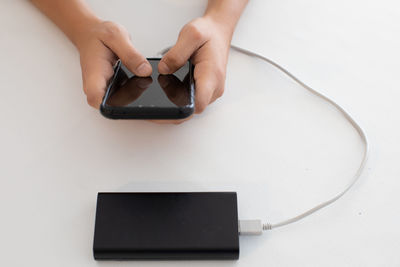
[(144, 69), (163, 68)]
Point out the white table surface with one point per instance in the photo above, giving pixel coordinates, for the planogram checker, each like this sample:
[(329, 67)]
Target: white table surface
[(282, 149)]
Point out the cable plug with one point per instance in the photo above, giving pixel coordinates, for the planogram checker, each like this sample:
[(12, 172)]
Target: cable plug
[(250, 227)]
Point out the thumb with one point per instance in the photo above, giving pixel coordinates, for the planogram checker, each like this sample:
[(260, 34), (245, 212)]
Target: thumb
[(117, 39), (190, 39)]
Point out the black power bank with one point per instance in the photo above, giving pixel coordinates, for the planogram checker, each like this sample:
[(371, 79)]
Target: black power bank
[(166, 226)]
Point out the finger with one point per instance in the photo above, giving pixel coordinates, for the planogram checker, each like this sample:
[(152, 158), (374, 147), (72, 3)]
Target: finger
[(218, 92), (117, 39), (190, 39), (206, 81), (95, 74)]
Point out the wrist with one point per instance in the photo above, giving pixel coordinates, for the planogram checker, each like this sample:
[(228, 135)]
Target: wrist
[(225, 13), (226, 27), (83, 30), (224, 30)]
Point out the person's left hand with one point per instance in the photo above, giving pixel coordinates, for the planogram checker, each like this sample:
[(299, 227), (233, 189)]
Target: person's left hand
[(206, 43)]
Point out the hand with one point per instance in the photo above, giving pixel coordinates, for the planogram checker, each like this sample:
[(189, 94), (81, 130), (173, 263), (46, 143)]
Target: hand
[(99, 49), (206, 42)]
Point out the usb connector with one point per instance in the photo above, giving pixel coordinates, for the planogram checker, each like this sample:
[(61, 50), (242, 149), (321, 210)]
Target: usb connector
[(250, 227)]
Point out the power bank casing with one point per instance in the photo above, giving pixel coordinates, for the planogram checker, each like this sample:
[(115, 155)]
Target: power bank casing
[(166, 226)]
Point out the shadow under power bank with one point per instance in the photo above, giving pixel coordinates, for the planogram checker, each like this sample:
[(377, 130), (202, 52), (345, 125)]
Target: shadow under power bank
[(166, 226)]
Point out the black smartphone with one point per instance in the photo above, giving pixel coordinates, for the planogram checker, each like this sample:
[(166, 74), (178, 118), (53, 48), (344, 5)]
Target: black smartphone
[(155, 97)]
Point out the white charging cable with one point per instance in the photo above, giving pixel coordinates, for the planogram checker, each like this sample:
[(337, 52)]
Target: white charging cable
[(255, 227)]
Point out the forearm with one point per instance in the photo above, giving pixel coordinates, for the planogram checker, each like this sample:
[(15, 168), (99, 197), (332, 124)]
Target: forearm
[(225, 12), (73, 17)]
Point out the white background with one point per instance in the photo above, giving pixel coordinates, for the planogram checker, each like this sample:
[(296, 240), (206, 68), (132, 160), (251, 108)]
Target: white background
[(282, 149)]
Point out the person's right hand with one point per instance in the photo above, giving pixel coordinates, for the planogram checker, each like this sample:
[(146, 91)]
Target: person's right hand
[(100, 47)]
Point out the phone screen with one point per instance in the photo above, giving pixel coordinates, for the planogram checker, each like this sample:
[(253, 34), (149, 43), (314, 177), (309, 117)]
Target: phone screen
[(157, 90)]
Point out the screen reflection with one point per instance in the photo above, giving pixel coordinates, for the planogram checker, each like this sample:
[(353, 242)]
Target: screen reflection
[(158, 90)]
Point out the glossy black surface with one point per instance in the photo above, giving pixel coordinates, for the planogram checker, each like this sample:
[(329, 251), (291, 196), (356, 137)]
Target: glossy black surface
[(201, 225), (156, 97)]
